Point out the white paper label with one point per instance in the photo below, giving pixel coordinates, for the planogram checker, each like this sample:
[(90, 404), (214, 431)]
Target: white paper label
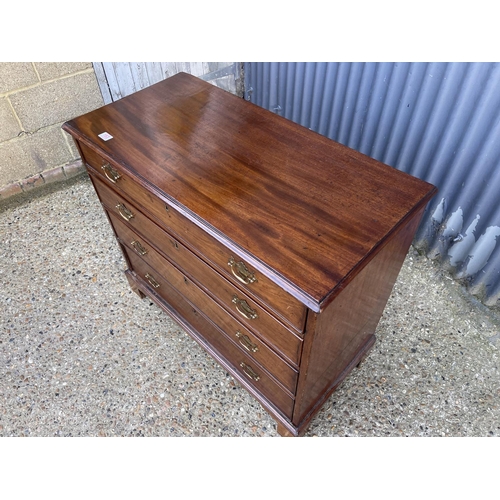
[(105, 136)]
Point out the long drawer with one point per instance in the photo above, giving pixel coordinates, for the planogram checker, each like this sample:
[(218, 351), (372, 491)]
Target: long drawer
[(239, 360), (221, 314), (233, 329), (254, 283), (232, 299)]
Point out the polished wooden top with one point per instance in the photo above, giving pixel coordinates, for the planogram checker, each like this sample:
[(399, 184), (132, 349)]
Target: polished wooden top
[(304, 210)]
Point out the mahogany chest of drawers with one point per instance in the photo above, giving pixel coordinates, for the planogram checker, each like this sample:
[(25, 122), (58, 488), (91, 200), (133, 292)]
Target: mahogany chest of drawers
[(274, 247)]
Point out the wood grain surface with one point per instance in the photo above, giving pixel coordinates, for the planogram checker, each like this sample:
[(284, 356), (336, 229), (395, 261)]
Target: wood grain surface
[(288, 308)]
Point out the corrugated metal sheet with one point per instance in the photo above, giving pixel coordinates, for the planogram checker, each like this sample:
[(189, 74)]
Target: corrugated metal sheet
[(437, 121), (119, 79)]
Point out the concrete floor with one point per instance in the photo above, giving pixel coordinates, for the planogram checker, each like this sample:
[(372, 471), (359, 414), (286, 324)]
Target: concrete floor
[(82, 355)]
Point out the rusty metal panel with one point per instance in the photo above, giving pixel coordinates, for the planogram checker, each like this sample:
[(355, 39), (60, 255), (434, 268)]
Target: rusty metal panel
[(437, 121)]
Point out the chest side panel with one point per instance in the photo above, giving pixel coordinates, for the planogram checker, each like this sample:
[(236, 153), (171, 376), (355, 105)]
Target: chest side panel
[(335, 336)]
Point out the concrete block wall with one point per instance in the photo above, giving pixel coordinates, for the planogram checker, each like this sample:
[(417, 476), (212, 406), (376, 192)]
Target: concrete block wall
[(36, 98)]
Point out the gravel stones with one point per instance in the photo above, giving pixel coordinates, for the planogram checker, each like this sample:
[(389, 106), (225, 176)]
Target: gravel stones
[(82, 355)]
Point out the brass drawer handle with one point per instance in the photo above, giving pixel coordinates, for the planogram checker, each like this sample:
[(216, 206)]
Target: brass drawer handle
[(124, 212), (246, 342), (240, 271), (139, 248), (247, 370), (111, 173), (244, 309), (152, 281)]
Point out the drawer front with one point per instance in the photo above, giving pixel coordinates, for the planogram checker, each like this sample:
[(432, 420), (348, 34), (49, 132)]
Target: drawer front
[(232, 299), (234, 330), (282, 340), (239, 360), (235, 269)]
